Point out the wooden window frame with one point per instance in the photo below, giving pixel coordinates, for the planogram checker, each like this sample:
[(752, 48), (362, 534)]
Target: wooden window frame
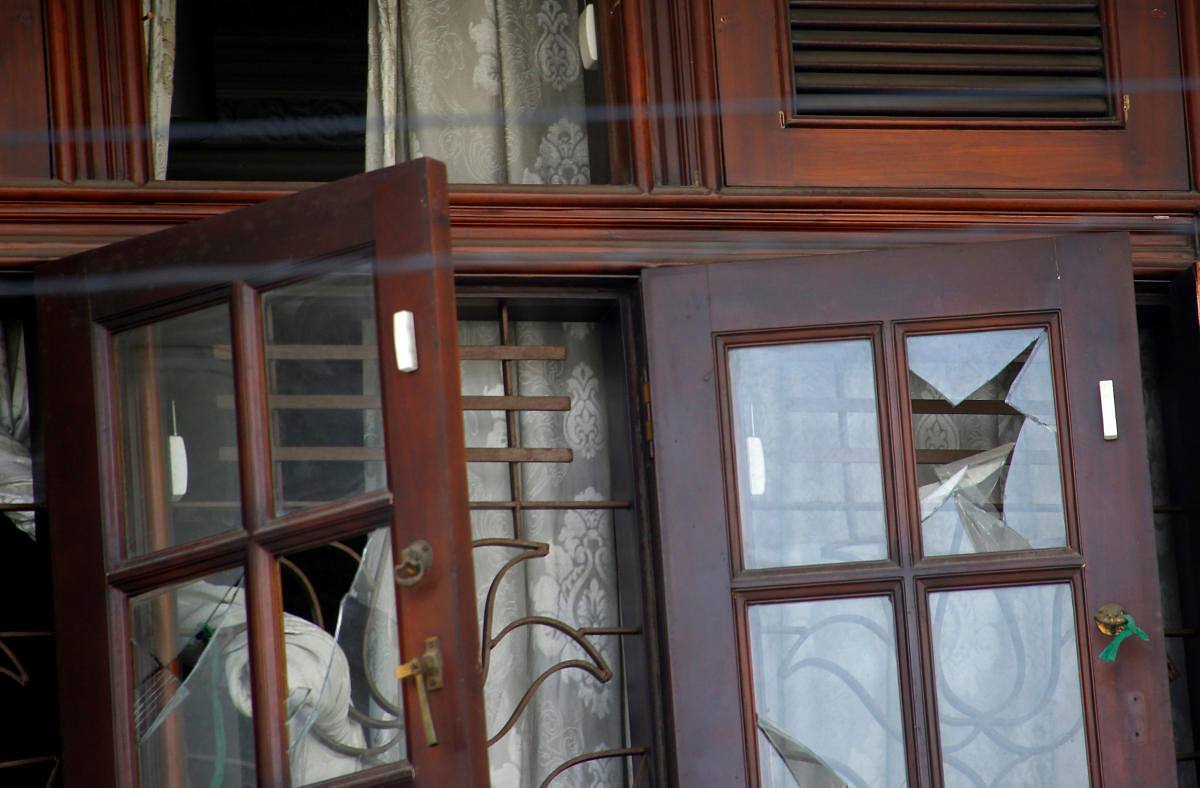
[(396, 216), (1143, 147)]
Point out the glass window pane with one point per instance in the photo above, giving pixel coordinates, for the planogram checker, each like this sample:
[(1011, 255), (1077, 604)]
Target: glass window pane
[(323, 390), (986, 441), (826, 693), (806, 431), (192, 704), (179, 467), (1010, 710), (341, 642)]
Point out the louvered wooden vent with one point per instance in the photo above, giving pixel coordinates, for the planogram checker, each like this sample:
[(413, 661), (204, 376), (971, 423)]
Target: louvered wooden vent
[(949, 58)]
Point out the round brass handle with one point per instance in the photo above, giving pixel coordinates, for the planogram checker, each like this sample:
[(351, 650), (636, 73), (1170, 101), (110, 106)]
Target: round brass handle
[(414, 561), (1110, 619)]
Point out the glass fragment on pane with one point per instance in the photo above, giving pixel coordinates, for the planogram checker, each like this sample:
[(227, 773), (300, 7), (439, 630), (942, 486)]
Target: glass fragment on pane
[(1009, 704), (174, 382), (323, 390), (985, 433), (827, 693), (192, 703), (806, 433), (550, 565), (344, 705)]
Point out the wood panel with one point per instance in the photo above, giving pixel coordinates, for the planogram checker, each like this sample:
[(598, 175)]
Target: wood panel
[(399, 214), (620, 230), (766, 143), (96, 88), (687, 307), (24, 113)]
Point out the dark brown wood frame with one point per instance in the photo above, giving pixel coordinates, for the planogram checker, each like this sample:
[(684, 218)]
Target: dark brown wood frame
[(717, 301), (1050, 322), (645, 677), (89, 562), (763, 150), (672, 212), (744, 577)]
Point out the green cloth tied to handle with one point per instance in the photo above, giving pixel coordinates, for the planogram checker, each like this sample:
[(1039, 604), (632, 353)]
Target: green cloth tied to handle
[(1109, 654)]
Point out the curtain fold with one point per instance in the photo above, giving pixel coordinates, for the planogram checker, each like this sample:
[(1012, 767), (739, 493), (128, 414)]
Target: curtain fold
[(159, 33), (16, 462), (494, 88)]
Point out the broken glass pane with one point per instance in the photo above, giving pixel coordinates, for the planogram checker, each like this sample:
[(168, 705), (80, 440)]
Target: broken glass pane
[(192, 700), (985, 433), (344, 707)]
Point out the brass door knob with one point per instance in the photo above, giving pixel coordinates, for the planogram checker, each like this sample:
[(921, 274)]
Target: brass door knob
[(1111, 619)]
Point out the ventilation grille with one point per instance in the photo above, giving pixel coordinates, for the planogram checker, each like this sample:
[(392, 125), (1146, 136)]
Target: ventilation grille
[(949, 58)]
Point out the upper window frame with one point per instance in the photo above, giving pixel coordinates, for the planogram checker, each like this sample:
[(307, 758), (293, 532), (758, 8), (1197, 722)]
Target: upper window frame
[(1143, 147)]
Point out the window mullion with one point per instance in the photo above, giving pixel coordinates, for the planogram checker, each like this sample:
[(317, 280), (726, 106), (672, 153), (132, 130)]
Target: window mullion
[(263, 596)]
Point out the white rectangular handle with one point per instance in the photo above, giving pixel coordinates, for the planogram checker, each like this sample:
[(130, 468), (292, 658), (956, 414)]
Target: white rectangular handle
[(1108, 410), (405, 337)]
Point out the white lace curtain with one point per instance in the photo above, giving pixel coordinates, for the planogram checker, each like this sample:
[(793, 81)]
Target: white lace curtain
[(494, 88)]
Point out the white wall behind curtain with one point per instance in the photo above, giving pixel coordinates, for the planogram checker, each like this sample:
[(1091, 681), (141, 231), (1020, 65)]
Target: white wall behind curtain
[(494, 88)]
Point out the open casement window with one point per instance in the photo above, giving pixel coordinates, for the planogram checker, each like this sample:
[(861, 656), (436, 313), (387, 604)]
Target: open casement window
[(934, 94), (890, 513), (241, 403)]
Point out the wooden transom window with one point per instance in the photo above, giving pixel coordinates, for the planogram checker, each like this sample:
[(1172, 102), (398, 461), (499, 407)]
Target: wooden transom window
[(1003, 93)]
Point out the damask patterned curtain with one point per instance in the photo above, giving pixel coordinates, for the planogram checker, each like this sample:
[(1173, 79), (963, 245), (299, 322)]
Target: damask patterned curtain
[(571, 713), (494, 88), (159, 32)]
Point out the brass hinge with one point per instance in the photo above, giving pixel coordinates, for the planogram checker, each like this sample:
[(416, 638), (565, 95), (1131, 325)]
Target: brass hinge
[(427, 670)]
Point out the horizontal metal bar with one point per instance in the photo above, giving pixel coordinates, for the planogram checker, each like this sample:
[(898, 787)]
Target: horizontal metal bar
[(515, 403), (519, 455), (535, 505), (511, 352), (968, 407)]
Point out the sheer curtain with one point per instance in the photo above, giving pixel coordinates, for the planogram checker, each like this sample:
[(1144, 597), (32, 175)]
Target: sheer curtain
[(494, 88), (16, 464), (571, 713), (159, 32)]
